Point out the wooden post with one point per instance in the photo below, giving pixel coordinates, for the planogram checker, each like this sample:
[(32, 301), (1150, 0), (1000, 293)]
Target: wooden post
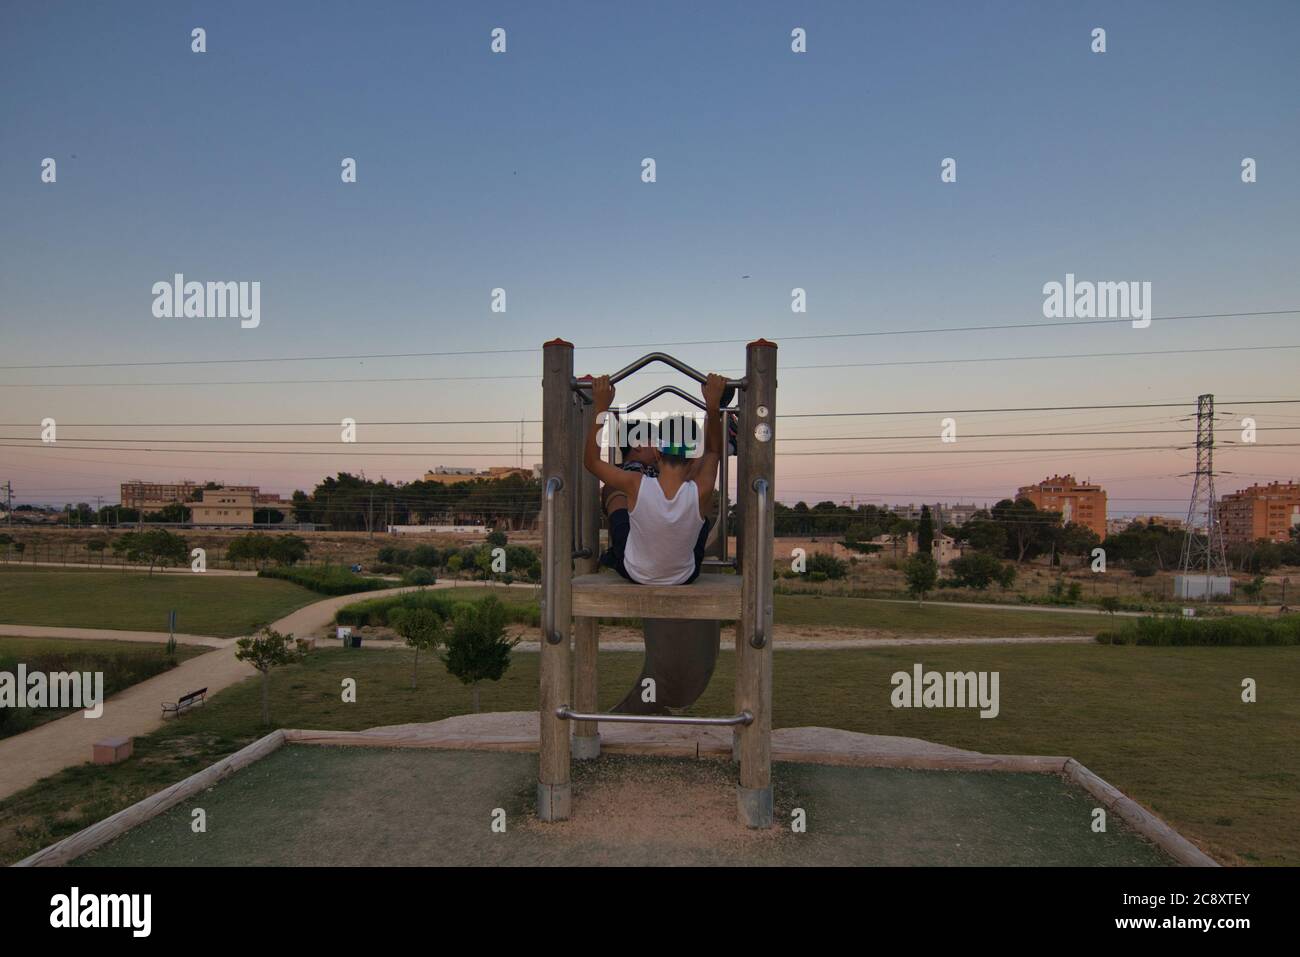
[(558, 422), (754, 665), (586, 631)]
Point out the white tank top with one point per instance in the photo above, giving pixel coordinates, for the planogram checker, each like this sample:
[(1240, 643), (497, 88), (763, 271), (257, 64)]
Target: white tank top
[(662, 534)]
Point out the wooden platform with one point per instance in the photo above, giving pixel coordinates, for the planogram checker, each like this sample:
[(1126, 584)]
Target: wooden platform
[(607, 595)]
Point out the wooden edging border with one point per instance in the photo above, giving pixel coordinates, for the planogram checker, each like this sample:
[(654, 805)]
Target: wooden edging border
[(1114, 800), (87, 839), (1137, 817)]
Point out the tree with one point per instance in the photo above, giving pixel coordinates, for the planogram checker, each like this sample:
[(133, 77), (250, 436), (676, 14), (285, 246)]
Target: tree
[(267, 516), (477, 649), (289, 549), (978, 570), (424, 630), (1254, 588), (497, 538), (266, 650), (158, 546), (985, 535), (1109, 604), (922, 574), (925, 531), (253, 547)]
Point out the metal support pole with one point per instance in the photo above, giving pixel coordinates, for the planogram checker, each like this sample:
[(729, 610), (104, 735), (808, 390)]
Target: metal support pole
[(586, 631)]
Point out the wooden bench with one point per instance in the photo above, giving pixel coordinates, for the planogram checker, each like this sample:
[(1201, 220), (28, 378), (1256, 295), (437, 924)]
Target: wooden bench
[(186, 702), (608, 595)]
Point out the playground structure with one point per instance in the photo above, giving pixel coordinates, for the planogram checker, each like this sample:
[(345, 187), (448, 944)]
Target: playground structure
[(574, 594)]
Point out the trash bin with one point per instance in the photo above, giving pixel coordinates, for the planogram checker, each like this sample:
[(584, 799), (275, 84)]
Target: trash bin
[(356, 641)]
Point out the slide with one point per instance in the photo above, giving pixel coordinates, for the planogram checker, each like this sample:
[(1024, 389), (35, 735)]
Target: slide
[(680, 655)]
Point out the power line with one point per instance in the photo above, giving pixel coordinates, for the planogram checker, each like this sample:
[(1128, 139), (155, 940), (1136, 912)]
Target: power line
[(648, 345), (783, 415), (893, 363)]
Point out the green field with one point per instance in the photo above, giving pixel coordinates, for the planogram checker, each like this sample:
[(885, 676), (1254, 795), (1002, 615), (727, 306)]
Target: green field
[(131, 601), (1165, 725)]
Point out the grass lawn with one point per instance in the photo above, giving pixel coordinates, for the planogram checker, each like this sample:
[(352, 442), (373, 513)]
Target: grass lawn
[(1165, 725), (131, 601)]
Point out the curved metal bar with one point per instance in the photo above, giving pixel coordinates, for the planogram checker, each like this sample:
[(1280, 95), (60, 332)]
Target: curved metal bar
[(763, 577), (667, 390), (666, 359), (565, 713), (553, 486)]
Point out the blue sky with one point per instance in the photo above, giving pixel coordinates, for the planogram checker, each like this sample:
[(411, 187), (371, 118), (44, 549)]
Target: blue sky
[(522, 171)]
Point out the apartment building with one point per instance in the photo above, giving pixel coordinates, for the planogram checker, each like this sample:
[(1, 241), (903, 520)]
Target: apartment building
[(153, 496), (1260, 511), (1079, 502)]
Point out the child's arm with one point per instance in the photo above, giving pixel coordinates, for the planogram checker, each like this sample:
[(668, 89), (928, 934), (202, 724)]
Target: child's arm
[(602, 394)]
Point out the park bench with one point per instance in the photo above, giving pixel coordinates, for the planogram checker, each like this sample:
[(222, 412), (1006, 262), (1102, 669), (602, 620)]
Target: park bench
[(185, 702)]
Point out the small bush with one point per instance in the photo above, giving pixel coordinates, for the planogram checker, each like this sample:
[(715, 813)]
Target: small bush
[(326, 579), (418, 576)]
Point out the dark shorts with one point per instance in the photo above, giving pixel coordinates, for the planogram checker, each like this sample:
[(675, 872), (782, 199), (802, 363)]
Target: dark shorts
[(620, 524)]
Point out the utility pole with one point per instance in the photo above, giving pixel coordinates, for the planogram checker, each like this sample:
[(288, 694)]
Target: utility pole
[(9, 503), (1208, 554)]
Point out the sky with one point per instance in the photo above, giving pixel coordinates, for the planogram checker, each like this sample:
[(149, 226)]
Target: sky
[(522, 171)]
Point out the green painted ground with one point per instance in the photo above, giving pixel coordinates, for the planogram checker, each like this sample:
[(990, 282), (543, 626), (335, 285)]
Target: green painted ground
[(133, 601), (355, 806)]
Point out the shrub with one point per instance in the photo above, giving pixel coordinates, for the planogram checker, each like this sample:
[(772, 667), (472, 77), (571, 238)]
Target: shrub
[(418, 576), (828, 565), (326, 579), (380, 611), (1239, 630)]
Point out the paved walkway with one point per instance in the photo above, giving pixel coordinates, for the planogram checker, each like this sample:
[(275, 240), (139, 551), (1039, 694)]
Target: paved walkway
[(26, 758)]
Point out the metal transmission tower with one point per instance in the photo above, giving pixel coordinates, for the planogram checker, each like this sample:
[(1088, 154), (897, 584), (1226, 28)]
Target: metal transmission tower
[(1204, 556)]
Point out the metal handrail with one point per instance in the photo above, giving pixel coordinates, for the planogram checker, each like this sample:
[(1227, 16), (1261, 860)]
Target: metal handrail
[(585, 385), (553, 486), (763, 574), (565, 713)]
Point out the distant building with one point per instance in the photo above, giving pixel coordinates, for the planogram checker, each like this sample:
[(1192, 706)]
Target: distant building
[(940, 512), (1079, 502), (1115, 526), (944, 549), (155, 496), (224, 506), (1260, 511), (449, 475)]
